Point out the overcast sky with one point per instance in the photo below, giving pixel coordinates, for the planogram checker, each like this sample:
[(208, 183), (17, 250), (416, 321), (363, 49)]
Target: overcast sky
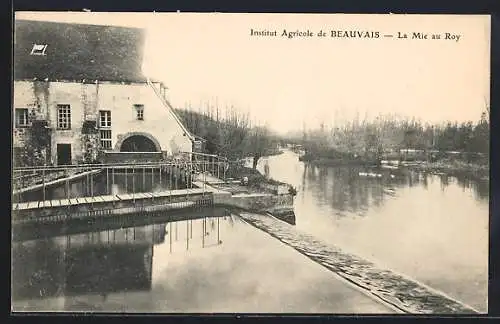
[(209, 58)]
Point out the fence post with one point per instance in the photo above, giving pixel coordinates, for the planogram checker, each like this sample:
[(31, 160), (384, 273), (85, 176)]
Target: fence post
[(170, 174), (224, 163), (218, 168), (126, 179), (43, 188), (218, 231), (169, 185), (87, 183), (152, 178), (133, 184), (204, 183), (91, 184), (187, 235), (67, 183), (176, 176), (191, 171), (108, 189), (152, 182), (203, 232), (170, 232), (160, 174)]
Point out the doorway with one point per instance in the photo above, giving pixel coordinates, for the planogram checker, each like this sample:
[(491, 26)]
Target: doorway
[(63, 154)]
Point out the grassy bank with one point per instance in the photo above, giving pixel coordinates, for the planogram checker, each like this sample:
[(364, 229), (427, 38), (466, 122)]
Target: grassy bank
[(459, 165), (455, 167), (255, 178), (341, 162), (335, 158)]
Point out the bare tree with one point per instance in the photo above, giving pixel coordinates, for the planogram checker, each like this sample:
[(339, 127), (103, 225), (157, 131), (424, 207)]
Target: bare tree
[(233, 131), (259, 142)]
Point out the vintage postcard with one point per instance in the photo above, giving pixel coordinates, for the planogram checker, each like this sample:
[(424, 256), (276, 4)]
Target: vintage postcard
[(250, 163)]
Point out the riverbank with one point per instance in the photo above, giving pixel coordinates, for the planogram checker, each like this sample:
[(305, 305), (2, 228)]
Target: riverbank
[(334, 158), (260, 194), (449, 167), (257, 182), (453, 168), (340, 162)]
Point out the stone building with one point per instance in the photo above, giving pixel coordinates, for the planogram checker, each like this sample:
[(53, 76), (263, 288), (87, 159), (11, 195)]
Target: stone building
[(83, 86)]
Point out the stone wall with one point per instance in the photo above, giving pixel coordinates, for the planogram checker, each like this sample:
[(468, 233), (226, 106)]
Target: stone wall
[(260, 202), (279, 189)]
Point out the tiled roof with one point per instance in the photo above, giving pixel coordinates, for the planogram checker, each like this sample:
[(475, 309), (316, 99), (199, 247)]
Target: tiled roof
[(75, 52)]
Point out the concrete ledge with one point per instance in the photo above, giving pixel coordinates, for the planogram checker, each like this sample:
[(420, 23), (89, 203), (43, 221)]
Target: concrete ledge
[(138, 203)]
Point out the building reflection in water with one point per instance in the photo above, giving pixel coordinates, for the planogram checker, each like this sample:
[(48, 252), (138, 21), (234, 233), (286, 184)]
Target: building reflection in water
[(104, 262)]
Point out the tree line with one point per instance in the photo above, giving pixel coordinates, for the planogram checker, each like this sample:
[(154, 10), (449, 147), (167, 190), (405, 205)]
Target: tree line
[(389, 133), (229, 133)]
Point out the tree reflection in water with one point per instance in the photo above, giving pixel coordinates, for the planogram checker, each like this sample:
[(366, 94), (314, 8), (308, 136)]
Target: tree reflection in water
[(346, 191)]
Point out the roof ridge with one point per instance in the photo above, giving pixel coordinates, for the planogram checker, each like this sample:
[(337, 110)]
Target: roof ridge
[(171, 110), (76, 23)]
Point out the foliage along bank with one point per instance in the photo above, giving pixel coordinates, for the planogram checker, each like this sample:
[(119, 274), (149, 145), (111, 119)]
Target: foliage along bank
[(388, 136), (230, 133)]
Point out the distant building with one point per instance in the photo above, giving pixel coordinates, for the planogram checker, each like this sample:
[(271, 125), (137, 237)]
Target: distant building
[(86, 82)]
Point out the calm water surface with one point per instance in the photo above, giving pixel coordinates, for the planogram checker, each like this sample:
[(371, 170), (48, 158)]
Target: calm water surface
[(432, 228), (107, 182), (216, 264)]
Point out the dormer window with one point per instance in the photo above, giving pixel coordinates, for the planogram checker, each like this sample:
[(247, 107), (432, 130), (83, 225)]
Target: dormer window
[(38, 49)]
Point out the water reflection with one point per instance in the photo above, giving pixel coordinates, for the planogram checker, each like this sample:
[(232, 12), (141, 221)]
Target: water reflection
[(103, 262), (432, 227), (345, 190), (214, 264)]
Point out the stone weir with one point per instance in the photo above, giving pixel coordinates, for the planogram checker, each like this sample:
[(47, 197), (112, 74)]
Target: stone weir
[(278, 203)]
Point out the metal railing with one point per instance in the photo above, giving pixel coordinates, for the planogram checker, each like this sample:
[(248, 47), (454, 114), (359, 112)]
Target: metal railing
[(88, 180)]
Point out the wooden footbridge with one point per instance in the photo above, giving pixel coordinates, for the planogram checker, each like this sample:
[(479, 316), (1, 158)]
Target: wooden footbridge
[(96, 191)]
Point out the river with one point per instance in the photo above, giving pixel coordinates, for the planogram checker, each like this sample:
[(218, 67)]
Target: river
[(432, 228), (213, 264)]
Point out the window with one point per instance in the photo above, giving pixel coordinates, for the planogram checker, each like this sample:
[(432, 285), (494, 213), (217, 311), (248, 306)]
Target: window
[(140, 111), (63, 117), (105, 135), (104, 118), (105, 131), (38, 49), (22, 117)]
